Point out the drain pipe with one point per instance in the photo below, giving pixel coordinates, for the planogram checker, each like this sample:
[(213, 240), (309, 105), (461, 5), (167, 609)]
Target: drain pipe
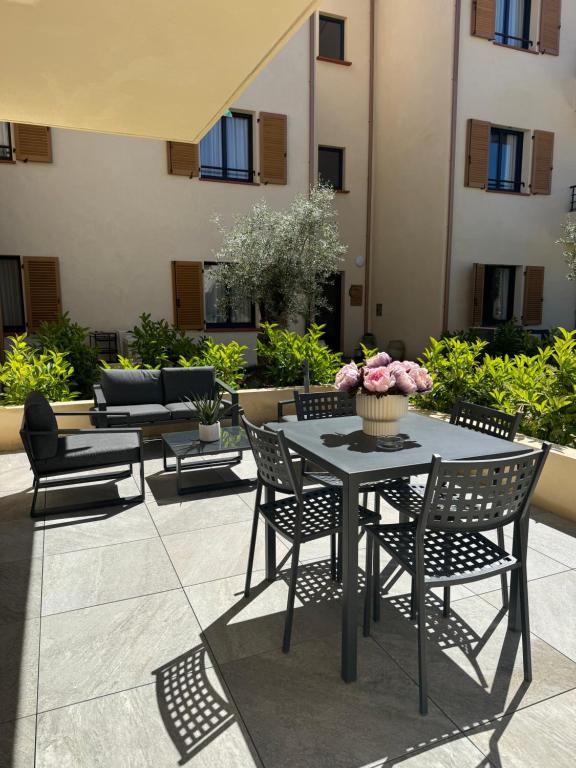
[(453, 128), (368, 252), (312, 104)]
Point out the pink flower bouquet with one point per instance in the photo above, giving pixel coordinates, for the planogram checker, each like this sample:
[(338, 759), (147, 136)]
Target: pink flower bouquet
[(380, 375)]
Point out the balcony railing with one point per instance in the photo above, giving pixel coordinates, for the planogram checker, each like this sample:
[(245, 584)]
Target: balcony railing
[(505, 185), (228, 174), (573, 198), (504, 37)]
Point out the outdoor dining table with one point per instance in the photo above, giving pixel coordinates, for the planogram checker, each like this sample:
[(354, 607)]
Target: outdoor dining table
[(339, 446)]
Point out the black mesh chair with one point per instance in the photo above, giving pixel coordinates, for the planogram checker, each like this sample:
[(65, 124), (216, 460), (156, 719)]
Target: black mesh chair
[(444, 545), (300, 517), (480, 419)]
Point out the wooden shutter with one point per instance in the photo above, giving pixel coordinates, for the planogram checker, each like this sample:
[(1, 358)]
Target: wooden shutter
[(273, 148), (477, 154), (533, 296), (41, 290), (188, 291), (542, 163), (484, 18), (183, 159), (33, 143), (477, 294), (550, 19)]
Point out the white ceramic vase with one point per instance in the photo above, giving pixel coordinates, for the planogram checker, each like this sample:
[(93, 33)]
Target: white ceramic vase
[(380, 415), (209, 433)]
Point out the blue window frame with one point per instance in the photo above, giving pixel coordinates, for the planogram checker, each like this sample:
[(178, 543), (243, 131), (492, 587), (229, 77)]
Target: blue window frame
[(505, 160), (513, 23), (226, 150), (331, 38), (331, 166), (5, 142)]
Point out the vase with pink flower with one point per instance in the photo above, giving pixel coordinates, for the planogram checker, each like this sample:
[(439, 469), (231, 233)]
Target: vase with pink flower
[(383, 387)]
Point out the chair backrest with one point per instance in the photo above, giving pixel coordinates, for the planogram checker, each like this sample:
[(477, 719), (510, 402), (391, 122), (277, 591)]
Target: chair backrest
[(272, 457), (479, 495), (323, 405), (180, 383), (39, 417), (488, 420), (131, 387)]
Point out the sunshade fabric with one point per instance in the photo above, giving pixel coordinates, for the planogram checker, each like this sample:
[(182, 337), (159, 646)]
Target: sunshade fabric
[(156, 68)]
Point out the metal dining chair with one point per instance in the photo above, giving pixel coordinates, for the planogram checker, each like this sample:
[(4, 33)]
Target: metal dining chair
[(444, 545), (479, 418), (299, 517)]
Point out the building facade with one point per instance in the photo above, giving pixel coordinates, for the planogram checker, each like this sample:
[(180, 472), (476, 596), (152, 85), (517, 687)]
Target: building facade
[(446, 127)]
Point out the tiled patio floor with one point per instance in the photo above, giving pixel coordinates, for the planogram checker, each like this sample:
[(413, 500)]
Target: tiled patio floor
[(125, 641)]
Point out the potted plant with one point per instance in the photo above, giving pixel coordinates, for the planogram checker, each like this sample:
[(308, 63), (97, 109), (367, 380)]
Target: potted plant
[(209, 411), (382, 387)]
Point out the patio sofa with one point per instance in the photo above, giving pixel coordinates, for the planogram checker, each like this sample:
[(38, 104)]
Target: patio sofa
[(139, 397)]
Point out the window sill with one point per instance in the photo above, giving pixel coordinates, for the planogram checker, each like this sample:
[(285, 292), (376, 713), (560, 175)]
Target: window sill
[(230, 329), (231, 181), (508, 192), (342, 62), (8, 162), (516, 48), (342, 191)]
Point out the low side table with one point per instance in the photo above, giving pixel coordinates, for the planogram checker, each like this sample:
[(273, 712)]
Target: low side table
[(184, 445)]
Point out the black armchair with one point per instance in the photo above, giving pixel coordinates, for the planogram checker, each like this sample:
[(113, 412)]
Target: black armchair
[(55, 453)]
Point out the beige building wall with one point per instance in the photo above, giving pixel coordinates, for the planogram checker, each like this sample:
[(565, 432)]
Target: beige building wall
[(116, 219), (524, 91), (414, 45), (342, 114)]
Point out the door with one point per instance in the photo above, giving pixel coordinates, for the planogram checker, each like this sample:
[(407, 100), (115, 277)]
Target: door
[(332, 317)]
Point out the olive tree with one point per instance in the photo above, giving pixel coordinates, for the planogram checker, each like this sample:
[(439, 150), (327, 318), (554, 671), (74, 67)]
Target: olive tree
[(281, 260), (568, 242)]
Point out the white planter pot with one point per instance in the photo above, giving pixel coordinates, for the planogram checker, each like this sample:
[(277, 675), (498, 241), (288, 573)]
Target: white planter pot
[(380, 415), (209, 433)]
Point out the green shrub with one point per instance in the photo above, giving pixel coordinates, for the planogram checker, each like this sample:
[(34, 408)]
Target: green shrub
[(126, 364), (63, 335), (158, 344), (284, 352), (509, 339), (542, 386), (227, 359), (28, 368)]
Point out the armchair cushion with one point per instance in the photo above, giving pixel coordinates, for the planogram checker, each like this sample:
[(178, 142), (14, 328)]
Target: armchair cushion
[(180, 383), (39, 417), (135, 387), (90, 450), (138, 414)]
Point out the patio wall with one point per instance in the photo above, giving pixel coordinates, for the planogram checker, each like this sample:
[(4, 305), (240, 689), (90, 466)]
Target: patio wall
[(555, 493)]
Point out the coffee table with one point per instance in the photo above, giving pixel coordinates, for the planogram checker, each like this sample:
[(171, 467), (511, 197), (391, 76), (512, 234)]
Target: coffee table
[(187, 445)]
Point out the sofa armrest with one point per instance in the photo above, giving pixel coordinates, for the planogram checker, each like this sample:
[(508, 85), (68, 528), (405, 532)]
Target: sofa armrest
[(234, 399), (281, 406), (99, 399)]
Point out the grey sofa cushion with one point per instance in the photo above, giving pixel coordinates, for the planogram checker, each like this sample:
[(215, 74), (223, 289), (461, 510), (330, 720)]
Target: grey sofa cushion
[(39, 417), (138, 414), (126, 387), (187, 411), (87, 451), (180, 383)]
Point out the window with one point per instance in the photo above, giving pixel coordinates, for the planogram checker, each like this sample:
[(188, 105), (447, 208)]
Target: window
[(5, 142), (513, 23), (505, 160), (331, 166), (241, 316), (498, 302), (331, 38), (226, 150), (11, 296)]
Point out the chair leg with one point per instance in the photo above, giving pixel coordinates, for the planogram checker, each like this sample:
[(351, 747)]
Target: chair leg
[(251, 553), (504, 576), (413, 600), (376, 582), (422, 663), (365, 499), (339, 558), (525, 621), (33, 512), (333, 556), (142, 479), (377, 504), (369, 585), (446, 608), (291, 597)]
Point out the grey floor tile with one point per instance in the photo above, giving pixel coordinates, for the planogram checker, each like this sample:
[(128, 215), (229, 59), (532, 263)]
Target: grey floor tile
[(552, 614), (206, 512), (21, 540), (103, 574), (475, 669), (18, 669), (112, 647), (236, 626), (553, 536), (301, 714), (161, 486), (15, 505), (542, 736), (15, 474), (458, 752), (94, 492), (96, 528), (20, 590), (214, 553), (17, 742), (141, 730)]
